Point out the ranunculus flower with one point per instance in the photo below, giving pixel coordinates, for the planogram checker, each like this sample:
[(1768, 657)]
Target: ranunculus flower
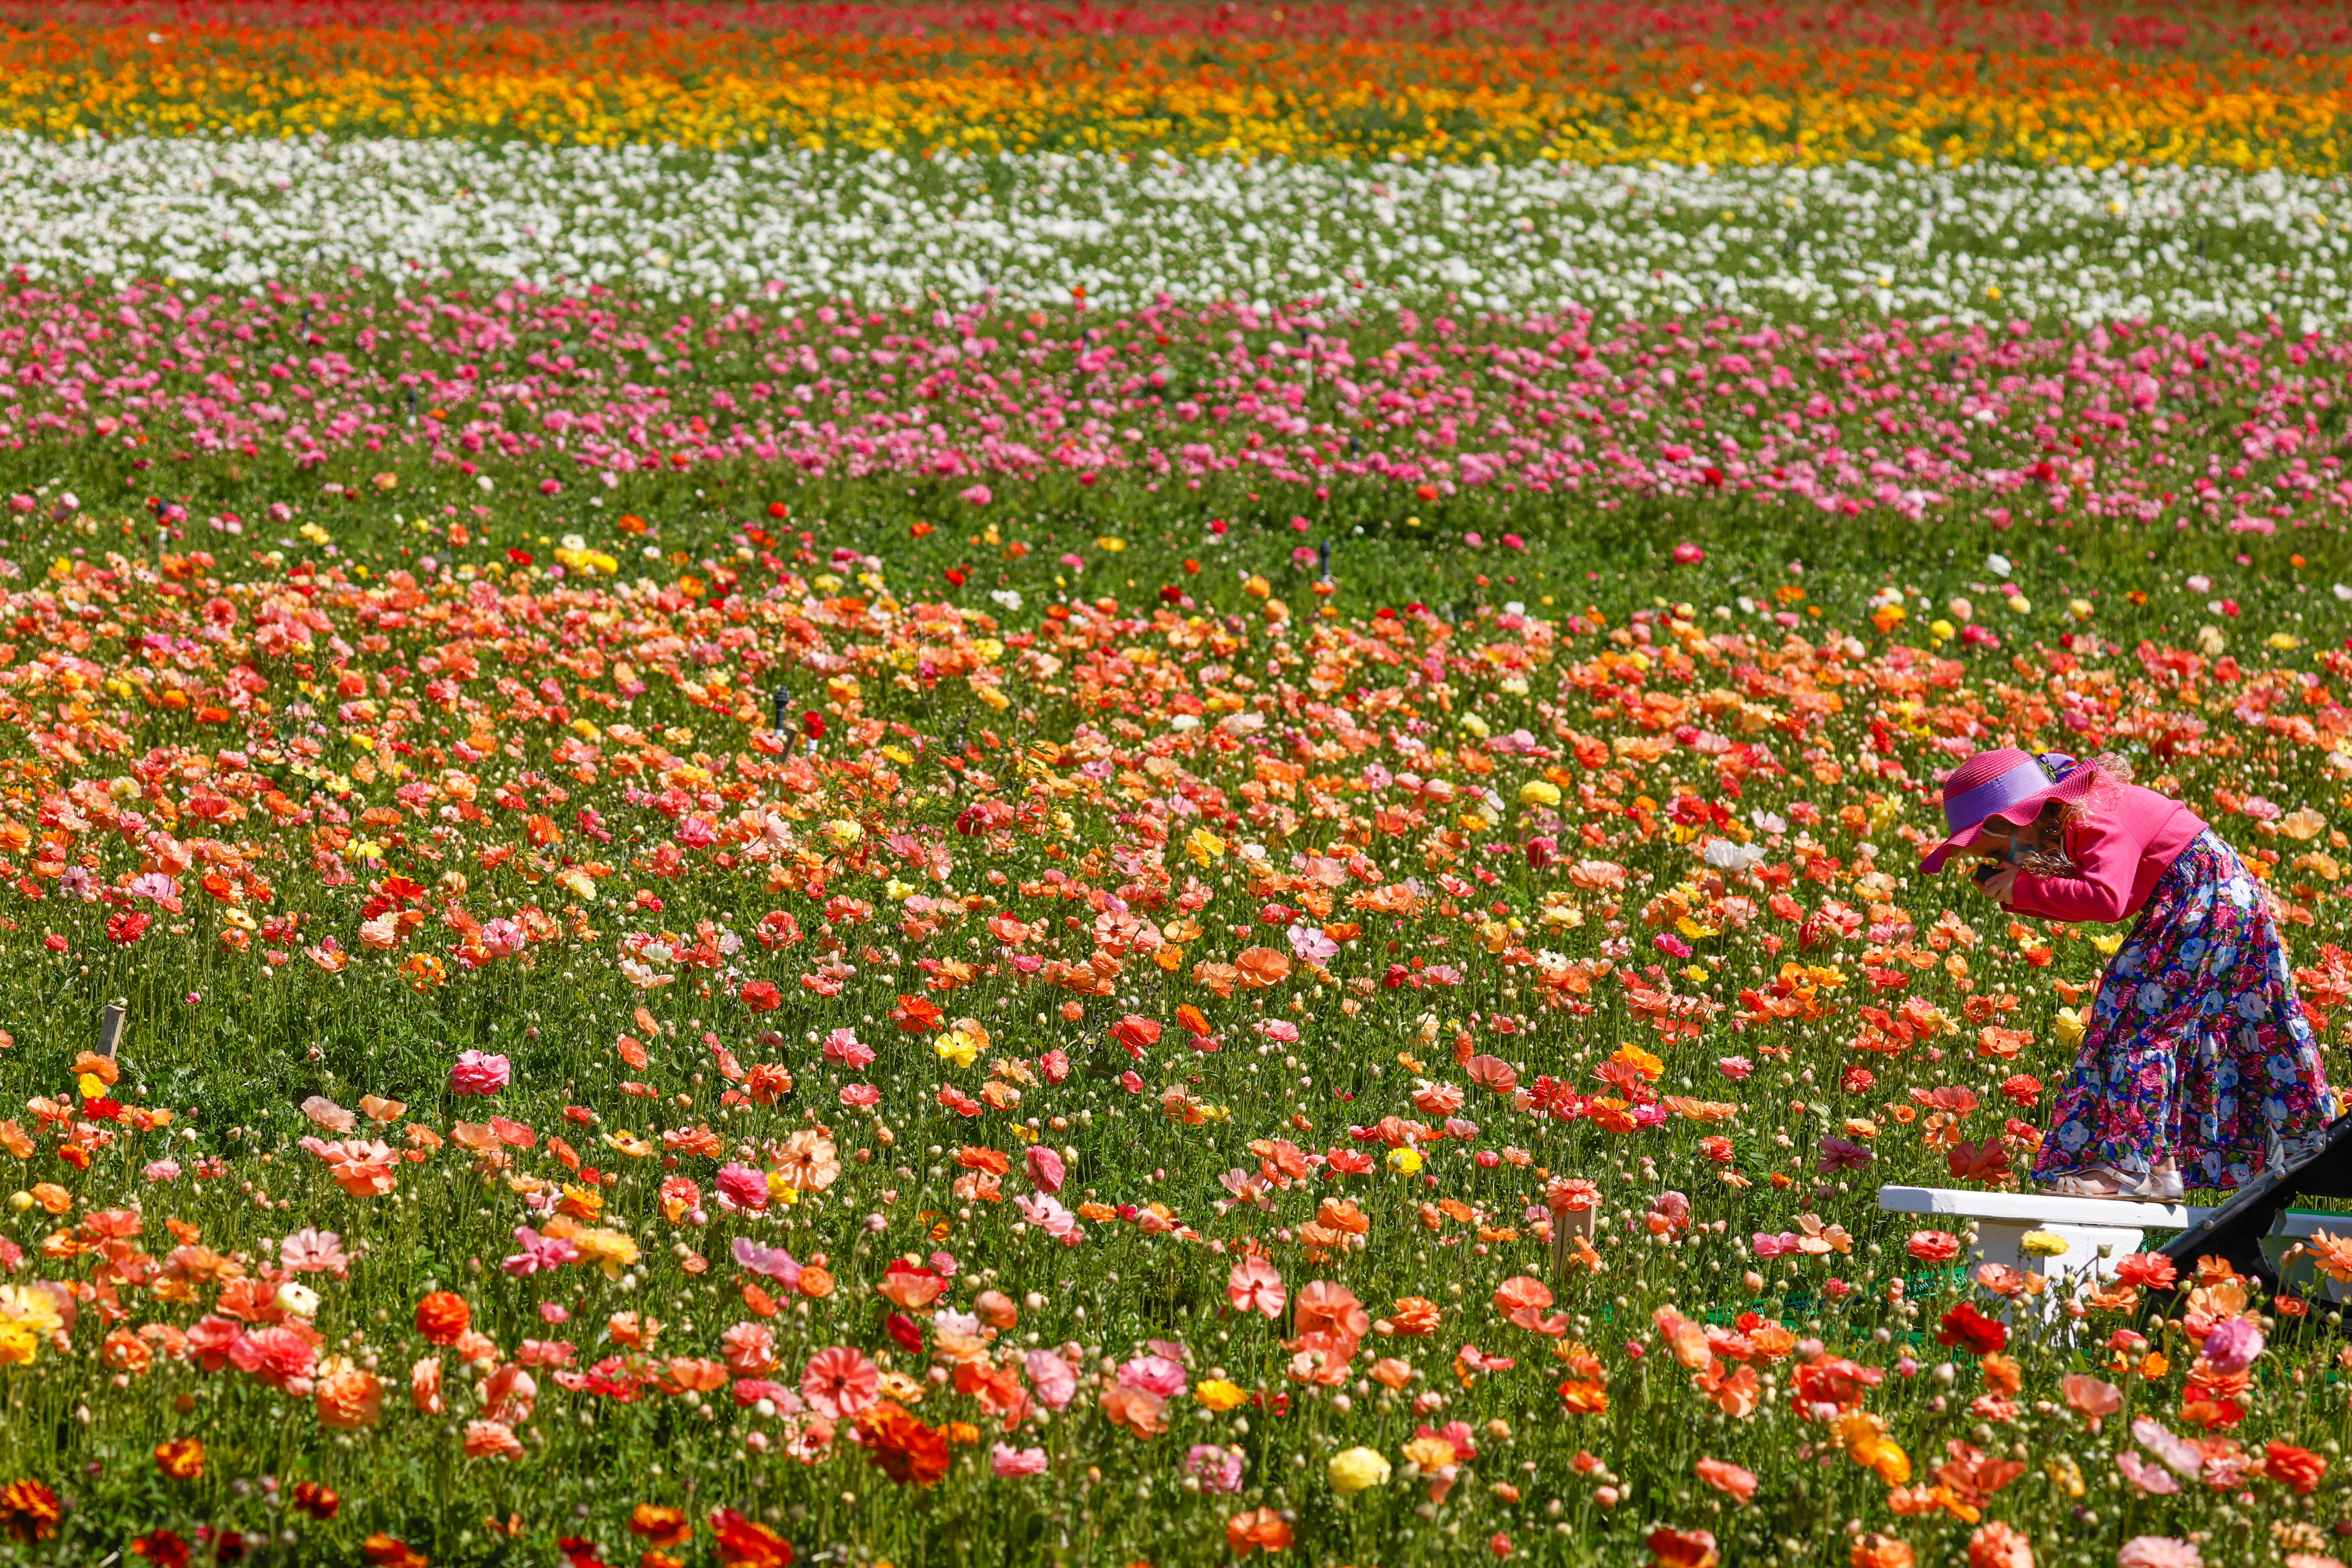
[(1738, 1484), (1352, 1470), (480, 1073), (2232, 1345), (1255, 1286), (442, 1316), (1050, 1378), (1005, 1461), (741, 1188), (839, 1383)]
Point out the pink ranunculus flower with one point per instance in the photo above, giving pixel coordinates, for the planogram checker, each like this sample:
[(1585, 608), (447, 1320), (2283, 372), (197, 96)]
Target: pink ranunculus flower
[(1004, 1460), (313, 1251), (981, 495), (749, 1348), (1155, 1374), (1255, 1286), (1048, 1216), (843, 1046), (2232, 1346), (840, 1382), (741, 1189), (1051, 1378), (479, 1072), (1219, 1470)]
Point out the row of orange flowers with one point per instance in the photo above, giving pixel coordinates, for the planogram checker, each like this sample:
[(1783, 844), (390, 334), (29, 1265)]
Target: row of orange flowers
[(1348, 97)]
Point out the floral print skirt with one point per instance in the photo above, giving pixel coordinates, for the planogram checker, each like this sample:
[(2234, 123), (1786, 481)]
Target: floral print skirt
[(2196, 1048)]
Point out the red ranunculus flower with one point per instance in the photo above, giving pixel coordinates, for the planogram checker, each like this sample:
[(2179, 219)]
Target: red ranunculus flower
[(1965, 1328)]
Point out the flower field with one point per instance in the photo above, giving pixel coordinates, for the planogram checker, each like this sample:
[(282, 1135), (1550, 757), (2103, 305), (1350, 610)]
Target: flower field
[(917, 784)]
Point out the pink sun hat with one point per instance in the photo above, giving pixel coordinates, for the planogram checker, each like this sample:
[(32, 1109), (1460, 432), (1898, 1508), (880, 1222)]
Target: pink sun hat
[(2007, 784)]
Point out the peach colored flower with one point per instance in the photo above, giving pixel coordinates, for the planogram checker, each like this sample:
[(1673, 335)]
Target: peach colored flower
[(1729, 1478), (349, 1398), (491, 1440), (1255, 1286), (1257, 1530), (1262, 967), (424, 1386), (1326, 1307)]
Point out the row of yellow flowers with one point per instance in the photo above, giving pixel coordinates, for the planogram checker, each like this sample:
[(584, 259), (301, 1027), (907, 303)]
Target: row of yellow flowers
[(1346, 99)]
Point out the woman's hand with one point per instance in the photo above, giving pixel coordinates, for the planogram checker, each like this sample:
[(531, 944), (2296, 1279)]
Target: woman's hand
[(1997, 887)]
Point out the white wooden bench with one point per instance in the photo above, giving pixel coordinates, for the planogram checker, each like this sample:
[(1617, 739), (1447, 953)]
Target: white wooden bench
[(2084, 1224)]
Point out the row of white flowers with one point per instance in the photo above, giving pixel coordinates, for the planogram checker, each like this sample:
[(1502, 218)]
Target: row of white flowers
[(1989, 244)]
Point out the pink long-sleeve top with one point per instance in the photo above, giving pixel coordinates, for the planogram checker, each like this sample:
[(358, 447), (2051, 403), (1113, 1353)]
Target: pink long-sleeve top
[(2131, 840)]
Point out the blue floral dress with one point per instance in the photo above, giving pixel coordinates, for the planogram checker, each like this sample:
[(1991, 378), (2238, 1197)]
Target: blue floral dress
[(2196, 1048)]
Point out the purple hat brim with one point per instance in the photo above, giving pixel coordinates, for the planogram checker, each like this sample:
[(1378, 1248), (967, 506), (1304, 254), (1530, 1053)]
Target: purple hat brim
[(2017, 815), (2073, 787)]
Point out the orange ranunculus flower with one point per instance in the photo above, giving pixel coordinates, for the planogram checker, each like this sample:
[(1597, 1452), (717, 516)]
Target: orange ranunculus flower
[(910, 1290), (1256, 1530), (1738, 1484), (1141, 1413), (442, 1316), (2002, 1373), (1735, 1392), (124, 1351), (660, 1525), (2298, 1469), (349, 1399), (1326, 1307), (1340, 1215), (1998, 1545), (181, 1458), (901, 1447), (1220, 978), (1876, 1551), (1682, 1549), (746, 1543), (491, 1440), (768, 1082), (1416, 1316), (1135, 1034), (382, 1551), (1262, 967), (1584, 1397), (29, 1511)]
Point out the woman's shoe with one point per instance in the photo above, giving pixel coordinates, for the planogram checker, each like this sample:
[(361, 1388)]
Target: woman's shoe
[(2161, 1184)]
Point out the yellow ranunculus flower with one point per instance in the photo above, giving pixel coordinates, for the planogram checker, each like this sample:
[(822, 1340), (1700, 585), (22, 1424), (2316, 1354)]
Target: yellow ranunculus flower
[(1204, 846), (957, 1047), (1352, 1470), (1220, 1396)]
